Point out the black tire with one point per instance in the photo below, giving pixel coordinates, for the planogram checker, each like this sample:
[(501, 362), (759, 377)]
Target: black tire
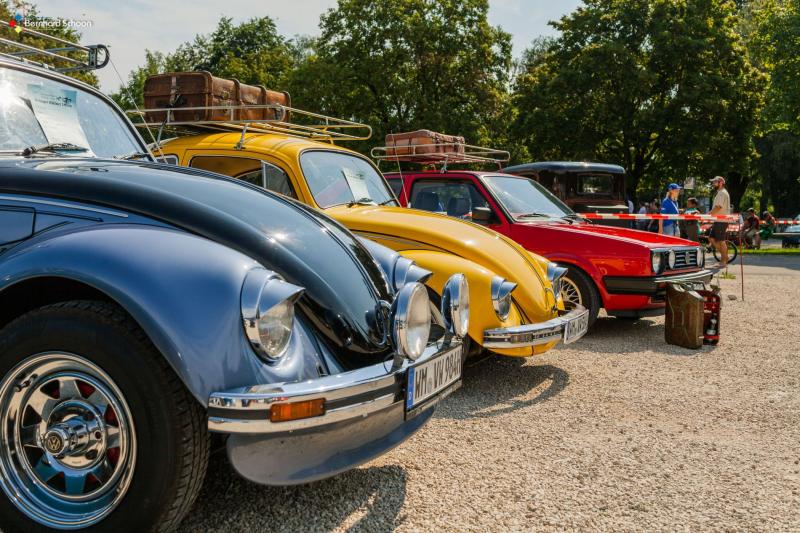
[(172, 443), (733, 252), (589, 297)]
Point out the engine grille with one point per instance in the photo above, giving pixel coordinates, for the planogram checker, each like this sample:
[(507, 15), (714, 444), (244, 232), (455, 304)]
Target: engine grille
[(685, 258)]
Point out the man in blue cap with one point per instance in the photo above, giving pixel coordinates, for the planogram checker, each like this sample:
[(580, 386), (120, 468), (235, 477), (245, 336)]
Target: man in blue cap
[(669, 206)]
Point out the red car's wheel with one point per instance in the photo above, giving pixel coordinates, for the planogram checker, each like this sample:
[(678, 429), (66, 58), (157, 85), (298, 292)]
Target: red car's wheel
[(578, 289)]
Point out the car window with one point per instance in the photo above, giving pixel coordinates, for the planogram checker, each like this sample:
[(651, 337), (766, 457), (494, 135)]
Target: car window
[(251, 170), (35, 110), (456, 198), (337, 178), (596, 185), (397, 185), (524, 198)]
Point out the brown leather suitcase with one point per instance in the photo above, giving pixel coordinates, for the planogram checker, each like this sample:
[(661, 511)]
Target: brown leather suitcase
[(422, 142), (189, 89), (260, 95)]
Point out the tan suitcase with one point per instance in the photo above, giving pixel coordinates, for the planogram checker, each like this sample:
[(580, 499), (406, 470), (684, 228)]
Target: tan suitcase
[(189, 89), (422, 142), (260, 95)]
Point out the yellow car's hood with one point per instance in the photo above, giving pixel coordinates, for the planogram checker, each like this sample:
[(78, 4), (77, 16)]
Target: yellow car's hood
[(412, 229)]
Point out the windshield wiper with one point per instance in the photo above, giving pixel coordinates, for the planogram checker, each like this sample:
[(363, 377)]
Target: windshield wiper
[(362, 201), (534, 215), (54, 147), (132, 155)]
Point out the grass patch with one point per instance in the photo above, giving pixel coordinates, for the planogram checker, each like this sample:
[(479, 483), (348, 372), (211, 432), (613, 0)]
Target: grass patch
[(727, 275), (772, 251)]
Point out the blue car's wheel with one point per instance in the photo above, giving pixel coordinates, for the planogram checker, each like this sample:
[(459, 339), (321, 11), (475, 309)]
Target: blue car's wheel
[(96, 429)]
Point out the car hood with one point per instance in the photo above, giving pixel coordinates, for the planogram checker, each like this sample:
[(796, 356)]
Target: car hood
[(629, 236), (343, 282), (426, 230)]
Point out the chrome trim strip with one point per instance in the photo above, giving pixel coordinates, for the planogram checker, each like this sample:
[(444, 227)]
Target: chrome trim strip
[(78, 207), (531, 334), (347, 385)]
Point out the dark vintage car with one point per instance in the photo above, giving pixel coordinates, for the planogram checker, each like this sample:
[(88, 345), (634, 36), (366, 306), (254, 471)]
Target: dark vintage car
[(584, 187), (143, 306)]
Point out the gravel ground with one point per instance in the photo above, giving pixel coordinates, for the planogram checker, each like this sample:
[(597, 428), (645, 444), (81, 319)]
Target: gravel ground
[(617, 432)]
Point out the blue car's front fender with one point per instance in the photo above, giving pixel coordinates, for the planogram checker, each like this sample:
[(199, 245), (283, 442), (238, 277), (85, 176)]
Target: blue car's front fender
[(183, 290)]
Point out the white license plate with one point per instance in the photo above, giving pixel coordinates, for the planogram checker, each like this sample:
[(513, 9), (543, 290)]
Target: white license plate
[(428, 379), (576, 328)]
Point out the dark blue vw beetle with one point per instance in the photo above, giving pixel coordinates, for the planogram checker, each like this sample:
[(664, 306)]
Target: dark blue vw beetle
[(143, 306)]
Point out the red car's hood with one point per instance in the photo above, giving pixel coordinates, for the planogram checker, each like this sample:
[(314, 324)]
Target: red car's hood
[(631, 236)]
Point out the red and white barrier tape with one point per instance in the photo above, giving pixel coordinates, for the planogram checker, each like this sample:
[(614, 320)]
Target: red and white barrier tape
[(704, 218)]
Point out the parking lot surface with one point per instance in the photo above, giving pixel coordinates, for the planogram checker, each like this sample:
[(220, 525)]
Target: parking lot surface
[(619, 431)]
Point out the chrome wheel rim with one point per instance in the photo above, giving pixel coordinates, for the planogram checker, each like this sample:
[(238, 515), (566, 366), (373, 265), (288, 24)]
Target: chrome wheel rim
[(68, 445), (570, 294)]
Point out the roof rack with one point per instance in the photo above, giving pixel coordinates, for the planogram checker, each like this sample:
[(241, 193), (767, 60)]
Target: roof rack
[(440, 153), (313, 125), (96, 56)]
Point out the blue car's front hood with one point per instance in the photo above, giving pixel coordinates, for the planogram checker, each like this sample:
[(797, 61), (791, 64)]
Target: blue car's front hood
[(343, 283)]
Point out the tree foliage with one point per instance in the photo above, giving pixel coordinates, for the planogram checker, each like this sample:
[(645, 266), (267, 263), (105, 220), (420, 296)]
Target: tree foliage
[(401, 65), (662, 87), (252, 52)]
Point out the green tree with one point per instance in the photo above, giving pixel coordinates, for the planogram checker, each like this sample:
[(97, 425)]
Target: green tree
[(252, 52), (401, 65), (662, 87), (31, 14)]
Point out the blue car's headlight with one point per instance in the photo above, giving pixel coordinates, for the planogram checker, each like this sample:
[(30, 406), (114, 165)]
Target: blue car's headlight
[(268, 312)]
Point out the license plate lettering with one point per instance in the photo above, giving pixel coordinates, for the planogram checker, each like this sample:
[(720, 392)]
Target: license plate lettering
[(428, 379)]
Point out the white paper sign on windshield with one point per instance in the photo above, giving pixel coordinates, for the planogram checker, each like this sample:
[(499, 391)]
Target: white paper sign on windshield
[(57, 112), (357, 184)]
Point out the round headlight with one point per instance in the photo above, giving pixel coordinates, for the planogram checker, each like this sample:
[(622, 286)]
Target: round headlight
[(268, 312), (671, 259), (657, 261), (455, 305), (501, 296), (411, 320)]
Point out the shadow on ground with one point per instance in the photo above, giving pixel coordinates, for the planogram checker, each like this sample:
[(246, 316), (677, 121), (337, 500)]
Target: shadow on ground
[(498, 385), (622, 336), (229, 503)]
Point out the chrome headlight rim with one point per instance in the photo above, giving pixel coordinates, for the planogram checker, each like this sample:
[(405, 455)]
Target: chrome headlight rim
[(267, 300), (410, 321), (555, 273), (501, 296), (455, 305), (671, 259), (657, 261)]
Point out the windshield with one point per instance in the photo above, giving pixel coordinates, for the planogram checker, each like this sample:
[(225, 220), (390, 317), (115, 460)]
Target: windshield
[(37, 111), (523, 198), (339, 178)]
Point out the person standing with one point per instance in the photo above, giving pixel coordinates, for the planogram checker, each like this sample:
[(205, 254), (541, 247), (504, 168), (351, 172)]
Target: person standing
[(750, 230), (642, 223), (692, 226), (669, 206), (720, 206)]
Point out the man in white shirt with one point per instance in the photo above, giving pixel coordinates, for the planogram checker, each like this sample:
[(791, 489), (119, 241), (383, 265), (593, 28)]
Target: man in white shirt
[(721, 206)]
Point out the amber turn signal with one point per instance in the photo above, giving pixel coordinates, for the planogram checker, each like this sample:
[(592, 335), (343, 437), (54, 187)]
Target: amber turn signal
[(284, 412)]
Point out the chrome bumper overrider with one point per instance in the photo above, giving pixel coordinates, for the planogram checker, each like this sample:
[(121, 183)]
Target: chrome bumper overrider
[(347, 396), (532, 334)]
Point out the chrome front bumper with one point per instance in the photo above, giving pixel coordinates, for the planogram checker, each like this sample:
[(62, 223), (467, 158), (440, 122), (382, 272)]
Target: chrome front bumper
[(347, 396), (532, 334), (364, 417)]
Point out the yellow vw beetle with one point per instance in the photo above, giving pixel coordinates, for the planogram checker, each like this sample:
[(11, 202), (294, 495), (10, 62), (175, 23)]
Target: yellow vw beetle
[(515, 310)]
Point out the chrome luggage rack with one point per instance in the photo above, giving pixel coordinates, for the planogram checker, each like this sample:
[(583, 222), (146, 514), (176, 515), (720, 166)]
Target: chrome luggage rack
[(96, 57), (315, 126), (458, 154)]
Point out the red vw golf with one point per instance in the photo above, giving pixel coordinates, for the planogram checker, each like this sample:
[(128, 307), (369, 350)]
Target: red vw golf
[(622, 270)]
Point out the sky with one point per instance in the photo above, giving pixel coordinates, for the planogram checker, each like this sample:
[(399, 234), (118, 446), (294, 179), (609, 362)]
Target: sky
[(131, 27)]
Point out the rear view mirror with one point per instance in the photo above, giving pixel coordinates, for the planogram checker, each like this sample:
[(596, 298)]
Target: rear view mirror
[(481, 215), (16, 224)]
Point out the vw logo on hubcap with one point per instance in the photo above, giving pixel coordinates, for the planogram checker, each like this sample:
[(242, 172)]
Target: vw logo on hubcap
[(54, 443)]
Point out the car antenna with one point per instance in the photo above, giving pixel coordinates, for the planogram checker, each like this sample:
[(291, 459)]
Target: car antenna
[(124, 88)]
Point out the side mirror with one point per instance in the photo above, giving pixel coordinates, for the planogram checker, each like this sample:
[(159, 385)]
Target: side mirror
[(481, 215), (16, 224)]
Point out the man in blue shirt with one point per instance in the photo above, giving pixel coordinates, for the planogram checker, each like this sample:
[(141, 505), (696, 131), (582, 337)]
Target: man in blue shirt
[(669, 206)]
